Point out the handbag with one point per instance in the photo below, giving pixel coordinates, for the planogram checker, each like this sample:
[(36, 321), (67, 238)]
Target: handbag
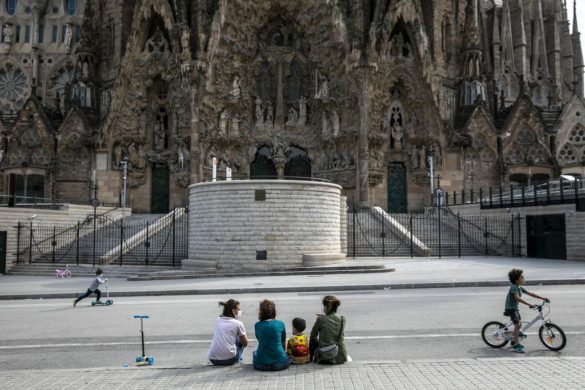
[(330, 352)]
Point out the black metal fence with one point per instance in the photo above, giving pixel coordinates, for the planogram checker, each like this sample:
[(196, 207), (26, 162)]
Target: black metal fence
[(100, 241), (561, 191), (439, 232)]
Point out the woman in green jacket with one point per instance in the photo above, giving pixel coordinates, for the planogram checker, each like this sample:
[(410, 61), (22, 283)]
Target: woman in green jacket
[(327, 332)]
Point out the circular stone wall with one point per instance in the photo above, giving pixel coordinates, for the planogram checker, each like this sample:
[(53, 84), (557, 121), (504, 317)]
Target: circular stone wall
[(260, 224)]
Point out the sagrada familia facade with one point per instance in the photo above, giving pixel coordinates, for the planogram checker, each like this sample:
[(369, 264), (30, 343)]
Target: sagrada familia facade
[(356, 92)]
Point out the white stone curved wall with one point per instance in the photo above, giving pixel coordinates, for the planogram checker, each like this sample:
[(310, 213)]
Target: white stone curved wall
[(227, 225)]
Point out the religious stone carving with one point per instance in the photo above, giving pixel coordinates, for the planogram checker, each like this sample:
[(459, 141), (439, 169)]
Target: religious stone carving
[(293, 117), (68, 36), (414, 158), (321, 90), (6, 34), (335, 123), (235, 129), (259, 111), (118, 156), (235, 92), (182, 154), (324, 125), (223, 123), (302, 110), (269, 115), (160, 135), (422, 156)]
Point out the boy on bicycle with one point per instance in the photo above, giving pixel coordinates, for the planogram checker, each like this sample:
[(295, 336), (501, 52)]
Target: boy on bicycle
[(514, 296)]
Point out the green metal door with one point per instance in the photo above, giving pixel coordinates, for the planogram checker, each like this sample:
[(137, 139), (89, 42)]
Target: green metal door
[(159, 198), (396, 188)]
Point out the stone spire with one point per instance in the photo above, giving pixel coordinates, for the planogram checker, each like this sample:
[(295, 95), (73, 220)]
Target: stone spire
[(578, 65), (473, 87)]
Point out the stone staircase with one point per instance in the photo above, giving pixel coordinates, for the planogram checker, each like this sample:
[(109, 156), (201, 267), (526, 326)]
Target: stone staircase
[(108, 238)]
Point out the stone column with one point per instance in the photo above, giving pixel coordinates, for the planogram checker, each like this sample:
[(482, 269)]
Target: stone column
[(362, 183), (279, 112), (196, 163), (279, 163)]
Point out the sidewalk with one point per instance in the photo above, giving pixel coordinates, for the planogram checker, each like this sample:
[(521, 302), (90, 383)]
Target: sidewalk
[(409, 273), (465, 374)]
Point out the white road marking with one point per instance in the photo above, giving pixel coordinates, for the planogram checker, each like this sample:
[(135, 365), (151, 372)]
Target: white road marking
[(195, 341), (378, 294)]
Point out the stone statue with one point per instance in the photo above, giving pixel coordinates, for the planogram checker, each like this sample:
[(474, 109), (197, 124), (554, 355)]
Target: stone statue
[(223, 121), (182, 153), (269, 115), (422, 157), (236, 87), (323, 91), (414, 158), (159, 135), (302, 110), (335, 123), (6, 34), (118, 151), (133, 155), (324, 125), (68, 36), (293, 117), (235, 130), (141, 159), (259, 111), (185, 40)]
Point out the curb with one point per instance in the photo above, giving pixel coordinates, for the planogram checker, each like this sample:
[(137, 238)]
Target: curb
[(259, 290)]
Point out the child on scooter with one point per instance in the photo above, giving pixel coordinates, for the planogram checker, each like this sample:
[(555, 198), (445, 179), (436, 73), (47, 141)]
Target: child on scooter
[(93, 288)]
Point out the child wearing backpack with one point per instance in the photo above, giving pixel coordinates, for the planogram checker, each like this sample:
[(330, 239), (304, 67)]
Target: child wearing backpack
[(297, 346)]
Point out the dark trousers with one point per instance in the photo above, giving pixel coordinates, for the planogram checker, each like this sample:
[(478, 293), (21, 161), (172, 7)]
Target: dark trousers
[(313, 345), (97, 292)]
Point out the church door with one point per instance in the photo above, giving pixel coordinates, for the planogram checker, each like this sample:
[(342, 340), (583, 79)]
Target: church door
[(396, 188), (159, 198)]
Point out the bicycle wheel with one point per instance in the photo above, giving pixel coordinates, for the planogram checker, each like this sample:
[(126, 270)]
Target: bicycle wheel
[(552, 337), (492, 334)]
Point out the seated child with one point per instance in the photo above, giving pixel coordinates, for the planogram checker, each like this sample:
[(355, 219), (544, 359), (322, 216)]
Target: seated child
[(298, 345)]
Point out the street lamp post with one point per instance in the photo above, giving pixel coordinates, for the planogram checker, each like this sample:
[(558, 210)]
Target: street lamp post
[(94, 203), (124, 178)]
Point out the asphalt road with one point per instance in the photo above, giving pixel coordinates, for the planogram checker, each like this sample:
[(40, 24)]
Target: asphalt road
[(381, 325)]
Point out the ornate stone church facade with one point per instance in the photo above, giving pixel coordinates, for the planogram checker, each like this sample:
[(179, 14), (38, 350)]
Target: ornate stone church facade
[(356, 92)]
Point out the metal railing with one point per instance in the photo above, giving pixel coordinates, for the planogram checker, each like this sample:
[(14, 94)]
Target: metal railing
[(7, 200), (438, 232), (160, 242), (560, 191)]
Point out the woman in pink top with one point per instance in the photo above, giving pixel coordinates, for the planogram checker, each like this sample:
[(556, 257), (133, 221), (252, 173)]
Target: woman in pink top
[(229, 336)]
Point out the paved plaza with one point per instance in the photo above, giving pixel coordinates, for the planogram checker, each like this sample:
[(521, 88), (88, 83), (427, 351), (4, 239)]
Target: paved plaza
[(503, 373)]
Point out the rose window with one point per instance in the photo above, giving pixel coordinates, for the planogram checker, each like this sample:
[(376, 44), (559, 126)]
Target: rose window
[(12, 84)]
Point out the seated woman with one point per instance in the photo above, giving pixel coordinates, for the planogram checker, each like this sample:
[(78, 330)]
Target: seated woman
[(229, 336), (271, 336), (328, 332)]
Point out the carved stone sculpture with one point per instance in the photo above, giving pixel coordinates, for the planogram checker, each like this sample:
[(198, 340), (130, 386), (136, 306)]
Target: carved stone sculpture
[(6, 34), (223, 122), (236, 88), (269, 115), (68, 36), (259, 111), (335, 123), (293, 117), (302, 111), (235, 129)]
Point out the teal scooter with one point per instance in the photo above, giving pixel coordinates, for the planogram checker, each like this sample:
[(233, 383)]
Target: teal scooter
[(144, 360), (108, 301)]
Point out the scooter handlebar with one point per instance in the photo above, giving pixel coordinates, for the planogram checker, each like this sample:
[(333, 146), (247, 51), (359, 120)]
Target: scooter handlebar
[(140, 316)]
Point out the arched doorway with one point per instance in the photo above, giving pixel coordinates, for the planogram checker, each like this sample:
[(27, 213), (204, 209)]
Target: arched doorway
[(298, 166), (262, 167), (397, 188)]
